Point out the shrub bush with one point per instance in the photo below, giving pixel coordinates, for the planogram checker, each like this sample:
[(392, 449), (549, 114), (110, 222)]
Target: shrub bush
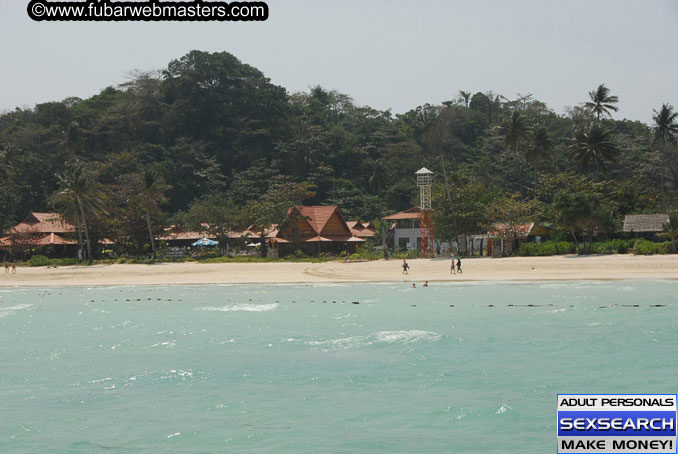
[(68, 261), (546, 248), (367, 252), (617, 246), (38, 260), (645, 247)]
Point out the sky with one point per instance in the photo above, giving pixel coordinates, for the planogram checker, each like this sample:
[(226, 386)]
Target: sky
[(386, 54)]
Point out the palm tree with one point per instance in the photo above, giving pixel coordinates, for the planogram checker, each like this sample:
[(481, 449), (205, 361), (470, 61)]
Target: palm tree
[(515, 131), (151, 196), (539, 149), (665, 130), (378, 175), (593, 145), (466, 96), (69, 211), (601, 102), (671, 230), (78, 192)]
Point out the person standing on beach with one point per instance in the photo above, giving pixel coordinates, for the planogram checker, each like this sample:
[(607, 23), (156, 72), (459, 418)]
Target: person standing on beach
[(405, 267), (452, 267), (13, 268), (6, 267), (459, 265)]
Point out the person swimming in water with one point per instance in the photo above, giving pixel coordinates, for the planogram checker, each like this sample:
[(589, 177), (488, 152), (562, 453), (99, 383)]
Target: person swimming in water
[(425, 283)]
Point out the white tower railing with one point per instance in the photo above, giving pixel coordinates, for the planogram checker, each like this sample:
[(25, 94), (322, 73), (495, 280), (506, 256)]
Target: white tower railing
[(424, 177)]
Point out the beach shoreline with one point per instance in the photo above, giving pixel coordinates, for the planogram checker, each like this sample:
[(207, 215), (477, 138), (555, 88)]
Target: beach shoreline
[(480, 269)]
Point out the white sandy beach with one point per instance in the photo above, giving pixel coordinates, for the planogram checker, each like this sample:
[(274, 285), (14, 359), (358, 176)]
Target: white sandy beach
[(609, 267)]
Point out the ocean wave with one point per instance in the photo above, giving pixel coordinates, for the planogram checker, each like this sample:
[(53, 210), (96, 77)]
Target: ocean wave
[(503, 409), (407, 337), (18, 307), (241, 307), (10, 310), (384, 337)]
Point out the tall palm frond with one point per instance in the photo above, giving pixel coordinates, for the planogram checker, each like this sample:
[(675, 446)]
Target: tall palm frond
[(539, 147), (602, 103), (665, 127), (593, 145)]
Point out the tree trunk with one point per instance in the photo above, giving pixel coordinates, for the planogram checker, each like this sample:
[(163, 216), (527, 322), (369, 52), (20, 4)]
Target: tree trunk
[(449, 196), (84, 223), (536, 179), (150, 233), (384, 249), (264, 251), (80, 242), (661, 169)]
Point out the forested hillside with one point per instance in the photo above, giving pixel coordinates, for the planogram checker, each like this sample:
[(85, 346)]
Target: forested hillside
[(210, 134)]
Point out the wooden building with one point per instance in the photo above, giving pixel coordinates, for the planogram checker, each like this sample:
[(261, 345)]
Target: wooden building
[(314, 230), (40, 230), (362, 229), (644, 225)]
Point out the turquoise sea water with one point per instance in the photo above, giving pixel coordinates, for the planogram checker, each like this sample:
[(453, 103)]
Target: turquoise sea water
[(299, 368)]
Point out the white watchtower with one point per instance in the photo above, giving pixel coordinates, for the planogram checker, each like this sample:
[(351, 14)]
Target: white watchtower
[(424, 181)]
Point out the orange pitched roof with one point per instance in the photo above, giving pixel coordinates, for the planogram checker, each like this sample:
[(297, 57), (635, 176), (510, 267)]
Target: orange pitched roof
[(319, 215), (44, 223), (182, 235), (412, 213), (361, 229), (52, 238), (522, 230)]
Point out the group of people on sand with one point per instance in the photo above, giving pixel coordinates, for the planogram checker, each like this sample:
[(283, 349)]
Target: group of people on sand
[(7, 268), (406, 267)]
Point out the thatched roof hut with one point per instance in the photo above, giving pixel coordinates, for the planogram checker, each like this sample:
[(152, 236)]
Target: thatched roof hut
[(644, 223)]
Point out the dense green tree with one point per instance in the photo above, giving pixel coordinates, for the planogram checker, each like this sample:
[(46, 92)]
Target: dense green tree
[(670, 230), (516, 131), (582, 213), (217, 215), (539, 148)]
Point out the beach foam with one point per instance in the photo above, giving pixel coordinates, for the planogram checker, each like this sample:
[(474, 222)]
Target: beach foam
[(241, 307)]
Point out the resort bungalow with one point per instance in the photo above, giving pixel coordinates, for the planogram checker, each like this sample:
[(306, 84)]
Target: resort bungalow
[(644, 225), (362, 229), (503, 235), (315, 229), (175, 236), (406, 228), (40, 230)]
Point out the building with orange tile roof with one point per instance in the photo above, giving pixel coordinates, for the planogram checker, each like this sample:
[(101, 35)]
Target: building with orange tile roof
[(315, 229)]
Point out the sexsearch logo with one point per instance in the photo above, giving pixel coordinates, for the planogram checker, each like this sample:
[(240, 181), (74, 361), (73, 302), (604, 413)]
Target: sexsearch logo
[(616, 423)]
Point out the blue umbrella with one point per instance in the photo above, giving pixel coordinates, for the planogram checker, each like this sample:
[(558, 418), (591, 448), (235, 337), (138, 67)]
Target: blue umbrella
[(205, 242)]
